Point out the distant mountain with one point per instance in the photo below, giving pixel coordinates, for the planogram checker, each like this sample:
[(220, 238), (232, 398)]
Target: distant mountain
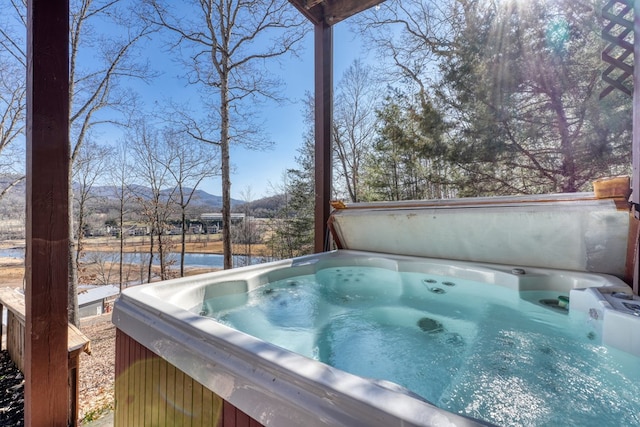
[(265, 206), (200, 198), (13, 201), (103, 199)]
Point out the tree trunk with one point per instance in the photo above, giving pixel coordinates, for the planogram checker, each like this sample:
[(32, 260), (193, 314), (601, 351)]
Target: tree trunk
[(73, 309), (568, 168), (149, 271), (161, 252), (183, 246), (79, 234), (226, 178), (121, 235)]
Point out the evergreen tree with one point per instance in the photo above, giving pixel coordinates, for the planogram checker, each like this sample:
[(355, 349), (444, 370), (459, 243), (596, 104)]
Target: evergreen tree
[(409, 160), (525, 81)]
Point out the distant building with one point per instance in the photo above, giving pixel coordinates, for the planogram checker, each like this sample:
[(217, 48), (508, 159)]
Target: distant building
[(97, 300), (213, 221), (137, 230)]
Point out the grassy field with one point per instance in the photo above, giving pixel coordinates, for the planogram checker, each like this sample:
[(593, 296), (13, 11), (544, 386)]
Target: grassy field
[(195, 243)]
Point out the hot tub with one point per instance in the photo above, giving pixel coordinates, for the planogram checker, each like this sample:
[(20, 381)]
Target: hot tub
[(279, 387), (181, 359)]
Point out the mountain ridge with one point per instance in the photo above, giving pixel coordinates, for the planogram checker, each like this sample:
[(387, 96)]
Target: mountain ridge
[(15, 197)]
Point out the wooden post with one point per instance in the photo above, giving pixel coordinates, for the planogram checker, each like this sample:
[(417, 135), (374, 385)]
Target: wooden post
[(635, 147), (323, 123), (635, 179), (324, 14), (46, 365)]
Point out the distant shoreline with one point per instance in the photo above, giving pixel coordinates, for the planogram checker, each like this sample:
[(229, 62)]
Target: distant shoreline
[(195, 245)]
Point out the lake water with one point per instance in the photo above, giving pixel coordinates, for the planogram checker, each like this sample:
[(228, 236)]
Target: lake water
[(12, 253), (190, 260)]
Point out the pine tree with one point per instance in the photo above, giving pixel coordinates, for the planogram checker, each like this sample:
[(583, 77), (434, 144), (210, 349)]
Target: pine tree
[(526, 81)]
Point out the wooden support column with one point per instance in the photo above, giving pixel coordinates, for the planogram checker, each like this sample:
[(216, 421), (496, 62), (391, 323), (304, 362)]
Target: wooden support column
[(46, 365), (635, 178), (324, 14), (323, 47)]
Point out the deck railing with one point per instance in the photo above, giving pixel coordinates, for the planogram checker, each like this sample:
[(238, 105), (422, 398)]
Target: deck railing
[(13, 301)]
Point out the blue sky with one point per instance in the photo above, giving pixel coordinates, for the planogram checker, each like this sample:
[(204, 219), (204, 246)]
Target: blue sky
[(286, 125), (259, 171), (262, 171)]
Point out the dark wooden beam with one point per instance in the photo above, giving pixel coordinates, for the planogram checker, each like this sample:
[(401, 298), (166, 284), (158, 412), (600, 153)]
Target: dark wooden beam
[(332, 11), (314, 13), (635, 179), (323, 48), (46, 366), (340, 10), (634, 259)]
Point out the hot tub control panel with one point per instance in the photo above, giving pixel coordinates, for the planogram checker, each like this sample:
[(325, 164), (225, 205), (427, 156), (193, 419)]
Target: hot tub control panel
[(635, 308), (614, 312), (623, 301)]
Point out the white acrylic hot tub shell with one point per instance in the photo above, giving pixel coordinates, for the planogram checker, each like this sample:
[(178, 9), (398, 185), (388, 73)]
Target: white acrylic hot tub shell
[(276, 386)]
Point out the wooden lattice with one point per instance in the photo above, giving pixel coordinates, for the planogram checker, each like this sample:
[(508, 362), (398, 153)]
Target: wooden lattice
[(618, 33)]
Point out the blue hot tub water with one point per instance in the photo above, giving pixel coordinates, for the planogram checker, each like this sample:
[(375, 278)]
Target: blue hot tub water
[(472, 348)]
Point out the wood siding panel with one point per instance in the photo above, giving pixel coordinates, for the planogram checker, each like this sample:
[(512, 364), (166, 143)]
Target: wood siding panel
[(134, 385), (178, 405), (188, 411), (171, 395), (120, 387), (152, 392), (197, 421), (131, 386), (211, 408), (229, 415), (162, 392)]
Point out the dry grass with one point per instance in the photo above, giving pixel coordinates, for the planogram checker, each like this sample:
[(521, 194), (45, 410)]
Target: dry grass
[(97, 371), (199, 244)]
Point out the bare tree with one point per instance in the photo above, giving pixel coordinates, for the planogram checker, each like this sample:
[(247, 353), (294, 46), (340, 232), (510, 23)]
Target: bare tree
[(12, 93), (96, 93), (247, 233), (228, 46), (189, 163), (156, 196), (103, 264), (91, 164), (354, 125), (103, 35), (411, 36), (119, 175)]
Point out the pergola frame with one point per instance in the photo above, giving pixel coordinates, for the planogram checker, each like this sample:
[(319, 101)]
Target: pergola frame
[(324, 14), (46, 399)]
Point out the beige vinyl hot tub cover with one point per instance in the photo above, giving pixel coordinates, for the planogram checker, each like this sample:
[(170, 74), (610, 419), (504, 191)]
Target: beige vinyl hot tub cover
[(572, 232)]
